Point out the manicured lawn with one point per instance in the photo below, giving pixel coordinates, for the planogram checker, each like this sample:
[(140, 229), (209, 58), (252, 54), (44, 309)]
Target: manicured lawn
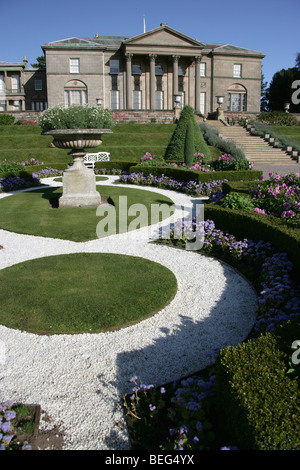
[(82, 293), (32, 212), (129, 142), (292, 132)]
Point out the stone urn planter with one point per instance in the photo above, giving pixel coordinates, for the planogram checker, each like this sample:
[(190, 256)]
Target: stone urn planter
[(79, 182)]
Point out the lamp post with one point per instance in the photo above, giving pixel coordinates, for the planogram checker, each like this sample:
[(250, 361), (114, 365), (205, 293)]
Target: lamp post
[(286, 107)]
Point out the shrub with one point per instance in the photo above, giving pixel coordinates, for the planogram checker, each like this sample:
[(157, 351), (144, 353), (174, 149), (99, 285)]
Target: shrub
[(175, 148), (228, 162), (258, 405), (278, 118), (151, 160), (6, 119), (212, 138), (237, 201)]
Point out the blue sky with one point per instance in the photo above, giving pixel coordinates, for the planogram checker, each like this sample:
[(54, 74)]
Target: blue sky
[(268, 26)]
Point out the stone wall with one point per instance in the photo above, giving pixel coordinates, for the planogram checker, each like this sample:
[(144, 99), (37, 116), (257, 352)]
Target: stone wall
[(122, 116), (25, 115), (143, 116)]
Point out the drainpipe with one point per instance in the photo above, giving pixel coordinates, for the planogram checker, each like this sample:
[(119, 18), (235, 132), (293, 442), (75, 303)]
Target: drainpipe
[(103, 80)]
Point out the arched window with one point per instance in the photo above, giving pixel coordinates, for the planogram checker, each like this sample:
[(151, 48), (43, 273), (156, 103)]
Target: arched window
[(75, 93), (236, 98)]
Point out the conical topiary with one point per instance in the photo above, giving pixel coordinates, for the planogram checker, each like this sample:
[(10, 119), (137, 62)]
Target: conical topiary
[(176, 147), (189, 145)]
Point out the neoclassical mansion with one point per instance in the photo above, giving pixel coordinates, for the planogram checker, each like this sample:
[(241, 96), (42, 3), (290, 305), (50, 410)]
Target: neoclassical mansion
[(157, 70)]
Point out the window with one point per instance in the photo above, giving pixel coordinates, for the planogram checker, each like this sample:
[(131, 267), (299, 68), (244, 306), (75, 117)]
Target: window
[(114, 82), (75, 93), (181, 70), (75, 97), (17, 105), (114, 65), (159, 69), (115, 99), (159, 83), (237, 71), (180, 83), (74, 65), (159, 100), (136, 69), (15, 83), (202, 69), (38, 105), (38, 85), (236, 102), (2, 84), (137, 99), (202, 102), (236, 98), (137, 83)]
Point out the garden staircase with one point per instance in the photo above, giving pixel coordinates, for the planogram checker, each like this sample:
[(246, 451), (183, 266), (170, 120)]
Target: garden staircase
[(255, 148)]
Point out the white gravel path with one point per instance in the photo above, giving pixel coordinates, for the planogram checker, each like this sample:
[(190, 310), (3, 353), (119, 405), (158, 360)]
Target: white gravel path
[(79, 380)]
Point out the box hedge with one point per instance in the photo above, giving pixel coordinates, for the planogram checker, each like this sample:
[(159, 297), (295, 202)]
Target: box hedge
[(257, 404), (254, 226), (184, 175)]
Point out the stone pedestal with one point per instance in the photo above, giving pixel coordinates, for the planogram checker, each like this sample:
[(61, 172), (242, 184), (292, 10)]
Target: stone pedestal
[(79, 182), (220, 113), (79, 185)]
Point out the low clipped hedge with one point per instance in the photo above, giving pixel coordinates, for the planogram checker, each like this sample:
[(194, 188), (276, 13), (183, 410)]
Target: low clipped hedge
[(184, 175), (257, 404), (254, 226), (6, 120), (120, 165), (238, 186)]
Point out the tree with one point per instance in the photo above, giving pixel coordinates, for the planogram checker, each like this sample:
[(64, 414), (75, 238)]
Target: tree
[(297, 63), (41, 62), (280, 90), (263, 98)]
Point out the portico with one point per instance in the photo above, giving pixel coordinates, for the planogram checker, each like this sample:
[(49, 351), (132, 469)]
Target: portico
[(171, 56)]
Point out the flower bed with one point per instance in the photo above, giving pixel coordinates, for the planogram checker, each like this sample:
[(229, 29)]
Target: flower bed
[(191, 187), (13, 183), (15, 166), (279, 196), (225, 162), (190, 403), (7, 433)]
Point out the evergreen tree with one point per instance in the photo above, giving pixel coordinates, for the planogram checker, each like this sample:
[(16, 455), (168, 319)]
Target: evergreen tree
[(280, 90), (40, 62)]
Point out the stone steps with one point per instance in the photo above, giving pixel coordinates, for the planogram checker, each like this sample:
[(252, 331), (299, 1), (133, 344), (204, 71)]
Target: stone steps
[(255, 148)]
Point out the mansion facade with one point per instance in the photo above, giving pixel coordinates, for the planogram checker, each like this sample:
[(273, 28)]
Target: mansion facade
[(158, 70)]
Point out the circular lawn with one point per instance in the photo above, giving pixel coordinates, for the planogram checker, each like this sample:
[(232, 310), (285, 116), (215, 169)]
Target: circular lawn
[(83, 293), (36, 212)]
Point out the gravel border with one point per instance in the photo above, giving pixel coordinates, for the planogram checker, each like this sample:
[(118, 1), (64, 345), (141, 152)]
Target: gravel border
[(79, 380)]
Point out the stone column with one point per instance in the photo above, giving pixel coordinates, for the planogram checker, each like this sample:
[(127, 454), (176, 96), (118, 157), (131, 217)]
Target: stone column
[(197, 83), (128, 82), (152, 81), (175, 75)]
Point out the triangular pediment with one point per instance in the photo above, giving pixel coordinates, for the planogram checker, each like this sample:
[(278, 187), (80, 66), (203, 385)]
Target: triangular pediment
[(163, 36), (73, 40)]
